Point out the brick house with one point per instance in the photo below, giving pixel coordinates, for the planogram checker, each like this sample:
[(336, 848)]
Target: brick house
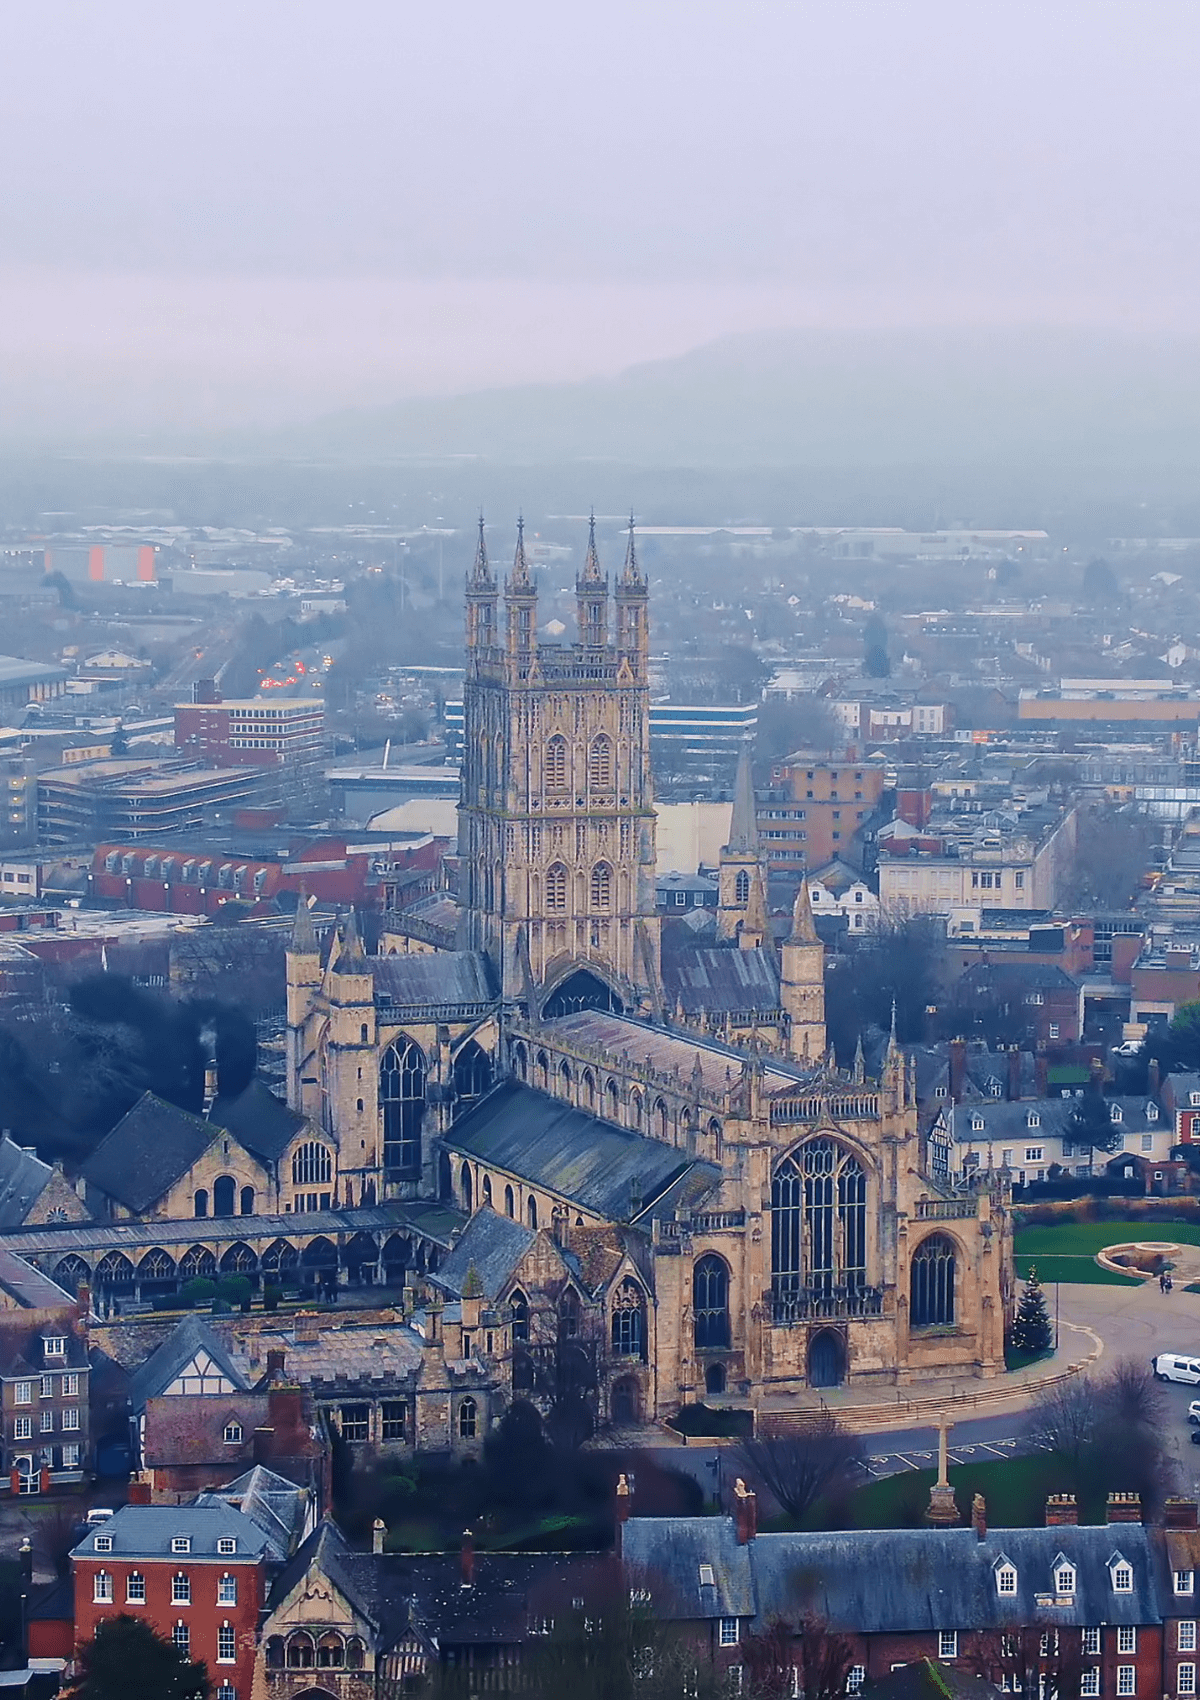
[(197, 1574), (44, 1396), (1008, 1603)]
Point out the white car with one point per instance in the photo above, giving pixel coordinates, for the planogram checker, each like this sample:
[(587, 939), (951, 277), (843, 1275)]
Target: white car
[(1173, 1366), (1194, 1411), (1130, 1048)]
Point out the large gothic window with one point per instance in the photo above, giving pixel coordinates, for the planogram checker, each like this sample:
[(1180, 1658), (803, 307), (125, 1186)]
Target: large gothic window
[(819, 1221), (932, 1294), (601, 886), (556, 889), (710, 1301), (741, 887), (629, 1321), (555, 765), (600, 764), (472, 1076), (402, 1098), (312, 1165)]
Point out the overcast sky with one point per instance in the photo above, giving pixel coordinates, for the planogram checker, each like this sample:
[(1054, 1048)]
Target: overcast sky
[(247, 209)]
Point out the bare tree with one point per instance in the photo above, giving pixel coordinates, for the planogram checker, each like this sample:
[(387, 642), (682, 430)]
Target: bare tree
[(1064, 1419), (1032, 1660), (820, 1460), (1107, 1431)]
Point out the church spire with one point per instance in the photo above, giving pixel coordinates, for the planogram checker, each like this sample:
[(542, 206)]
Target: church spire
[(804, 928), (520, 573), (631, 576), (743, 827), (520, 602), (633, 628), (304, 939), (481, 598), (482, 576), (591, 596), (591, 566)]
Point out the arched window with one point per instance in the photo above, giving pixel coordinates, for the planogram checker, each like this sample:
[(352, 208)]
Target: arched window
[(554, 767), (564, 1078), (541, 1071), (818, 1221), (355, 1653), (714, 1378), (275, 1652), (301, 1653), (531, 1211), (472, 1076), (602, 887), (224, 1193), (710, 1302), (636, 1109), (330, 1652), (520, 1057), (556, 889), (629, 1321), (510, 1205), (568, 1314), (612, 1101), (600, 764), (588, 1085), (662, 1119), (519, 1305), (200, 1203), (741, 887), (466, 1188), (247, 1201), (487, 1190), (931, 1301), (402, 1098), (467, 1418), (312, 1165)]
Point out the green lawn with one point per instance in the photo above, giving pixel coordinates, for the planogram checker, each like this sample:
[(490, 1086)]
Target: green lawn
[(1014, 1489), (1066, 1253)]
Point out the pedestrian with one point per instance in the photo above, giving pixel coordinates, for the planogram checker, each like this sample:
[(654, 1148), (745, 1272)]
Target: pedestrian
[(1162, 1280)]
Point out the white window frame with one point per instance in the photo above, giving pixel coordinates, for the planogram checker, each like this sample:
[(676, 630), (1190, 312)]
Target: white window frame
[(1126, 1679), (102, 1543), (102, 1588), (727, 1633), (1006, 1579), (46, 1390), (226, 1544), (1185, 1678), (227, 1589), (1091, 1641), (22, 1428), (23, 1393), (855, 1679), (947, 1643), (54, 1346), (70, 1417), (1184, 1581), (70, 1385), (181, 1589), (181, 1543), (1185, 1639), (1066, 1571), (135, 1588), (1126, 1639), (1089, 1682), (70, 1457), (227, 1633), (1122, 1577)]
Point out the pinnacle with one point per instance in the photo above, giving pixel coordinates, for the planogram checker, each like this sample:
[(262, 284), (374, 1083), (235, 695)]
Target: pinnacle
[(743, 826), (804, 930)]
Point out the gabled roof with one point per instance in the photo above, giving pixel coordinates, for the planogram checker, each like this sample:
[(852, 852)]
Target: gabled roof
[(279, 1507), (664, 1555), (152, 1146), (189, 1336), (23, 1178), (720, 979), (260, 1121), (570, 1152), (492, 1245), (440, 977), (146, 1531)]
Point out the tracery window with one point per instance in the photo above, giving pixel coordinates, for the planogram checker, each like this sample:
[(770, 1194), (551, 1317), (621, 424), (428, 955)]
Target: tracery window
[(931, 1302), (556, 889), (600, 764), (741, 887), (554, 770), (629, 1321), (710, 1301), (402, 1098), (312, 1165), (601, 886), (819, 1220)]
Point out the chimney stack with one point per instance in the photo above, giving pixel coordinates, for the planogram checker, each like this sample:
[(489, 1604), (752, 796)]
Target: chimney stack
[(958, 1068), (1014, 1073), (1061, 1510), (378, 1533), (468, 1559), (139, 1492), (979, 1516), (745, 1512), (276, 1362), (1179, 1513), (1124, 1508), (1041, 1075), (1153, 1077)]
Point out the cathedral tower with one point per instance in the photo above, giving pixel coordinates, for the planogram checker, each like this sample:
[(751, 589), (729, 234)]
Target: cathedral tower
[(741, 862), (556, 817)]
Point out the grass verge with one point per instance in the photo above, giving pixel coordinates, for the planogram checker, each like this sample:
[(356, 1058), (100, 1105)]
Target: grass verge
[(1014, 1490)]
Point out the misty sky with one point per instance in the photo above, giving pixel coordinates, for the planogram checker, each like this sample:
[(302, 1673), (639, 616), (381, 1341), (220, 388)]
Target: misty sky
[(250, 210)]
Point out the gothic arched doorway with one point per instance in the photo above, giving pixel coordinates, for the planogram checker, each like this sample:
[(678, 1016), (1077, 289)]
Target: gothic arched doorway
[(626, 1401), (826, 1359), (581, 990)]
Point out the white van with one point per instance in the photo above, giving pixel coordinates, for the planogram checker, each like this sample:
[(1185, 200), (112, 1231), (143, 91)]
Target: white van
[(1170, 1366)]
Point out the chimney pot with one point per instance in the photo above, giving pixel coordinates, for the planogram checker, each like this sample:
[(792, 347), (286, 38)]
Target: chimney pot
[(378, 1534), (276, 1361), (1061, 1510), (979, 1516)]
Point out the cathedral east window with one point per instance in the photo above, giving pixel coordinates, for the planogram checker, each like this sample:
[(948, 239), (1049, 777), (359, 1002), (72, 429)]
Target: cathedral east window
[(710, 1302), (819, 1221)]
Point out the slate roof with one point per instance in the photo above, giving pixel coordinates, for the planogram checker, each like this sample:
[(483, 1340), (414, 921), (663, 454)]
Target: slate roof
[(720, 980), (151, 1147), (189, 1336), (259, 1120), (936, 1578), (620, 1035), (1003, 1119), (440, 977), (570, 1152), (492, 1245), (278, 1506), (146, 1531), (23, 1178), (31, 1289), (188, 1428)]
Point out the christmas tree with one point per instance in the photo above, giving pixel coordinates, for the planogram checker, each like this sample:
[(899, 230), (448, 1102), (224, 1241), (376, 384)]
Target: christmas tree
[(1031, 1329)]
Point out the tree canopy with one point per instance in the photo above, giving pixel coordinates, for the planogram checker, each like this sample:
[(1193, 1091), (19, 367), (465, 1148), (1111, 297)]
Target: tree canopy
[(126, 1660)]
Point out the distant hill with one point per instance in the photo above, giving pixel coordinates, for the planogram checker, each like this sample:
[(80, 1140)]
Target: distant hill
[(1022, 397)]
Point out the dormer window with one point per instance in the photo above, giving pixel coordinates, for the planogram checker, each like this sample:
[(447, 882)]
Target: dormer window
[(1122, 1574), (1183, 1581), (1114, 1114), (976, 1124), (1064, 1577), (994, 1088), (103, 1543), (939, 1091), (233, 1434), (708, 1577), (1032, 1119), (1194, 1099), (1151, 1112), (1006, 1578), (226, 1544), (54, 1346), (181, 1543)]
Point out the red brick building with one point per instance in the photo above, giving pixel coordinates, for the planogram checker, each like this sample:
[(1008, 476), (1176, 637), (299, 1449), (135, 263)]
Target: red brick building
[(813, 809), (195, 1573)]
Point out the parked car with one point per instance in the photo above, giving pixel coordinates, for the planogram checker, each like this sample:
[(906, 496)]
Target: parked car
[(1173, 1366), (1194, 1411)]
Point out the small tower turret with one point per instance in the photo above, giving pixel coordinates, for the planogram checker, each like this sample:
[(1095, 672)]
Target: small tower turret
[(482, 600), (740, 860), (802, 982), (591, 595), (632, 598), (520, 604)]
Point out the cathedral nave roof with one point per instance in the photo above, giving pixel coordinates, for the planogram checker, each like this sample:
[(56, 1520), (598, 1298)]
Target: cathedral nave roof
[(618, 1035), (570, 1152), (719, 980), (450, 977)]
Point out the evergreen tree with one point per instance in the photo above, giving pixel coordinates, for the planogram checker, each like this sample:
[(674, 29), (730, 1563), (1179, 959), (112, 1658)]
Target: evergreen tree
[(126, 1660), (1031, 1329)]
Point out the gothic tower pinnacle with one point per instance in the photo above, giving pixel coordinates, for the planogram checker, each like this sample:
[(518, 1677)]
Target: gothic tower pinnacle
[(520, 603), (802, 982), (591, 594), (481, 599), (741, 862)]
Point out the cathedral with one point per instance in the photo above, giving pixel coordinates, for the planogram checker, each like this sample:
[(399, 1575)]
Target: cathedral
[(663, 1190)]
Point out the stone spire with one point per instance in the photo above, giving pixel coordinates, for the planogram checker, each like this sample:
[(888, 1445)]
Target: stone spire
[(591, 566), (802, 982), (304, 939), (743, 825), (804, 928), (591, 596), (351, 958), (482, 577), (631, 573), (520, 602), (756, 927), (520, 579), (481, 599)]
